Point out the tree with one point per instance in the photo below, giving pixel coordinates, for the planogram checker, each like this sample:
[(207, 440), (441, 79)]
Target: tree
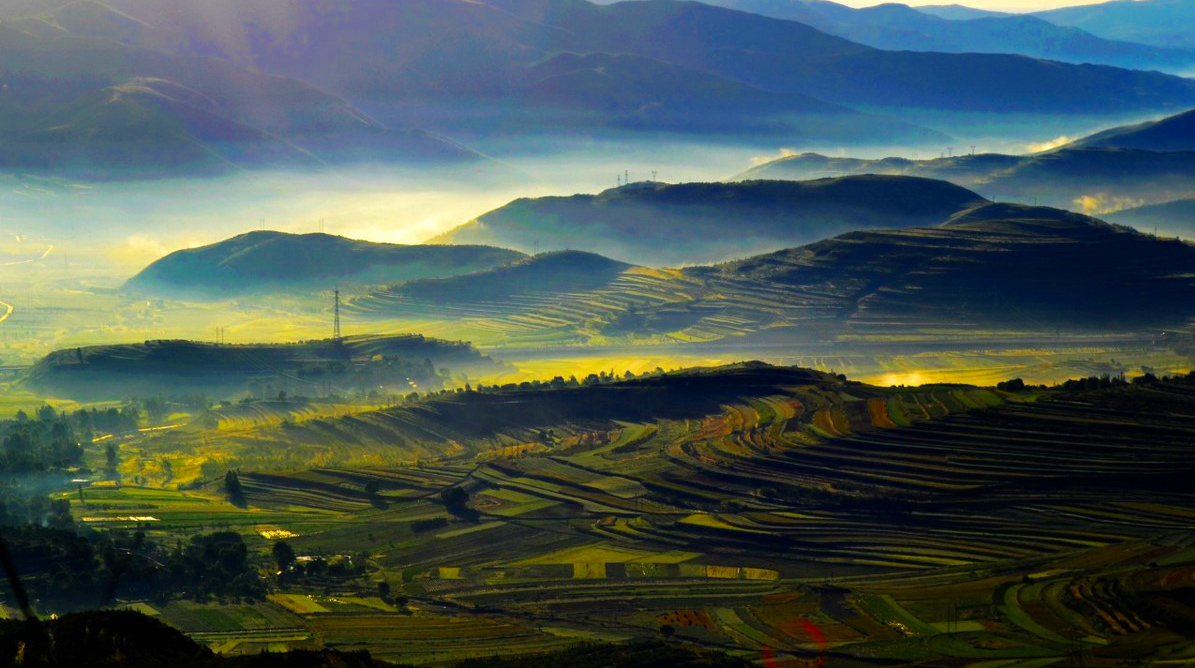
[(1014, 385), (456, 502), (110, 457), (232, 487), (284, 555)]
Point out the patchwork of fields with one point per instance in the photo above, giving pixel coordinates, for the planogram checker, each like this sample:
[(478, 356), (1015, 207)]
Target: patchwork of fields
[(783, 515)]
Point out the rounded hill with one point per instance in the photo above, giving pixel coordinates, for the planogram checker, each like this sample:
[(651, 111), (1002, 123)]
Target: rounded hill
[(270, 261)]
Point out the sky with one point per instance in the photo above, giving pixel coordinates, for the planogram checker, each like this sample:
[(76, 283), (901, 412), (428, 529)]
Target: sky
[(994, 5)]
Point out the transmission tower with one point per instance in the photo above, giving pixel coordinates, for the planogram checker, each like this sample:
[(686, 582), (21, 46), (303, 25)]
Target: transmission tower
[(336, 315)]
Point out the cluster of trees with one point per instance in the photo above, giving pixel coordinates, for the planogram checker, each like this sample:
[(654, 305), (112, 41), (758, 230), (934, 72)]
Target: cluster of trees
[(62, 569), (110, 421), (1100, 382), (1095, 382), (290, 566), (18, 508), (557, 383), (48, 441)]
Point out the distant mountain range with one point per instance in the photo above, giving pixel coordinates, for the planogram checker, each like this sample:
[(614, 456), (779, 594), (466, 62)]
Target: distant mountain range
[(993, 267), (259, 262), (153, 80), (899, 27), (1165, 23), (100, 109), (958, 12), (669, 224), (1134, 164), (1098, 179)]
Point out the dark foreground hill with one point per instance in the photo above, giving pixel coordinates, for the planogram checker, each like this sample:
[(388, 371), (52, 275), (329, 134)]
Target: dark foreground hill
[(271, 261), (181, 368), (658, 224), (133, 640), (995, 267)]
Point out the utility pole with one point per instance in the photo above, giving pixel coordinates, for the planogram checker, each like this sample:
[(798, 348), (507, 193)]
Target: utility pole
[(336, 316)]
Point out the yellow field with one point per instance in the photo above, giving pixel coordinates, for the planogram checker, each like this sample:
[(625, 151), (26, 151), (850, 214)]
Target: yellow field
[(606, 553), (300, 604)]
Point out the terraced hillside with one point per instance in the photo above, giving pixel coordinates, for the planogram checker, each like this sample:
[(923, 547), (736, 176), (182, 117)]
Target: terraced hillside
[(655, 224), (996, 267), (773, 512)]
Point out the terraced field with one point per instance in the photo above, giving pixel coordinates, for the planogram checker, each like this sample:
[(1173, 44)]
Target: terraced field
[(782, 514), (992, 269)]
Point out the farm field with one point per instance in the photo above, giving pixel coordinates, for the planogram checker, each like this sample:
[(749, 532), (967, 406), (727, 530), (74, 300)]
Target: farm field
[(771, 512)]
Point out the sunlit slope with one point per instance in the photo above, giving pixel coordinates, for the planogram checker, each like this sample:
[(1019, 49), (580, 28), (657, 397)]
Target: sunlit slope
[(194, 368), (732, 502), (659, 224), (997, 267), (96, 108), (259, 262), (770, 468)]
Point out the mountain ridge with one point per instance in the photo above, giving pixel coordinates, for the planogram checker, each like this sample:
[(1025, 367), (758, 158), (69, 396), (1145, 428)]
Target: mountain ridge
[(653, 223), (265, 261)]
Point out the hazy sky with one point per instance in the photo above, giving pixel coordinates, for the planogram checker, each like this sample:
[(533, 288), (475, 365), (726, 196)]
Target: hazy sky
[(996, 5)]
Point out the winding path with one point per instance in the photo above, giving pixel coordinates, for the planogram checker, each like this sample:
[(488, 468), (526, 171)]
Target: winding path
[(8, 309)]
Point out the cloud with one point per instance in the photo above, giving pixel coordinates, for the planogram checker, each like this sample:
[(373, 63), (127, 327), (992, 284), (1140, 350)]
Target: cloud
[(139, 250), (782, 153), (1100, 203), (1049, 145)]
